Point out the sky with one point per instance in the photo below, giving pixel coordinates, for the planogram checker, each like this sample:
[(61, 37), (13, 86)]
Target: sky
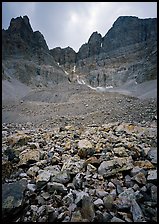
[(71, 24)]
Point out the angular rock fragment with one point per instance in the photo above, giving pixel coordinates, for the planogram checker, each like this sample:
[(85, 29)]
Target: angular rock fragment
[(42, 178), (136, 212), (19, 138), (111, 167), (144, 164), (12, 199), (152, 154), (53, 186), (140, 178), (28, 156), (87, 209), (152, 175), (61, 177), (85, 148)]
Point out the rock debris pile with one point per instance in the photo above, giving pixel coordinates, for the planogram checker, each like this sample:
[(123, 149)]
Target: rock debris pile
[(104, 173)]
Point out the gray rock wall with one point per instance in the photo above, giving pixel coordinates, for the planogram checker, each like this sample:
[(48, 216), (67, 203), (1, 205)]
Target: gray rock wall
[(26, 56)]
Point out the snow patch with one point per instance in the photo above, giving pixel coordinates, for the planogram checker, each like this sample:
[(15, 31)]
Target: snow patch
[(66, 73), (74, 68), (98, 89)]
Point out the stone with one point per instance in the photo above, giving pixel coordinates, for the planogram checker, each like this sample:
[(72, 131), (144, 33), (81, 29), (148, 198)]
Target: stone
[(101, 193), (140, 178), (98, 202), (34, 208), (152, 175), (32, 171), (111, 167), (61, 177), (124, 199), (45, 195), (85, 148), (19, 138), (152, 154), (11, 155), (87, 209), (136, 212), (91, 168), (129, 128), (120, 151), (28, 156), (136, 170), (84, 143), (42, 178), (7, 169), (144, 164), (41, 210), (53, 169), (12, 199), (128, 181), (154, 193), (108, 201), (98, 217), (53, 186), (126, 216), (92, 160), (68, 199), (119, 189), (106, 216), (78, 180), (40, 200), (76, 216), (111, 185), (73, 165), (32, 187), (22, 175), (116, 219), (79, 196), (113, 193)]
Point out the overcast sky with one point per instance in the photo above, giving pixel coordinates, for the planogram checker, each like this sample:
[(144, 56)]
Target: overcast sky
[(66, 24)]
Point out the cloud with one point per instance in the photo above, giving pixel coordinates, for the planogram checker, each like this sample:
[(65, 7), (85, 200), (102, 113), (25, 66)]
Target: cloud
[(12, 10), (71, 23)]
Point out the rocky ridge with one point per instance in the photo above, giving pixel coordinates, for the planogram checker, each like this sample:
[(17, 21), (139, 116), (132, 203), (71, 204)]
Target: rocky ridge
[(26, 57), (128, 50)]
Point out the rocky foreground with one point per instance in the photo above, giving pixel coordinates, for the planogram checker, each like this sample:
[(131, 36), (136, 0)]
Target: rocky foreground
[(105, 173)]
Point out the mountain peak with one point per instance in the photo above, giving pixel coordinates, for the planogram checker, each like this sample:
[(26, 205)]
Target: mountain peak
[(20, 23), (95, 37)]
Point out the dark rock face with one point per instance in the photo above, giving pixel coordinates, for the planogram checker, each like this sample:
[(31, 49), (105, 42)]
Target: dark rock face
[(127, 51), (91, 48), (20, 39), (63, 56), (26, 56), (129, 30)]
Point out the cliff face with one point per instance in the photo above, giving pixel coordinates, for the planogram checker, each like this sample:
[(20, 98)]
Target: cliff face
[(20, 40), (26, 56), (127, 51), (91, 48), (66, 56), (128, 30)]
